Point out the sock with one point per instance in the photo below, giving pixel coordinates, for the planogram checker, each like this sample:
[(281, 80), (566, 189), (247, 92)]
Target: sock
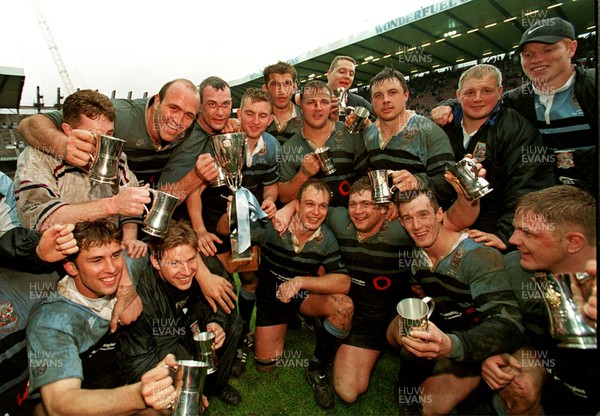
[(329, 339), (246, 306), (314, 364)]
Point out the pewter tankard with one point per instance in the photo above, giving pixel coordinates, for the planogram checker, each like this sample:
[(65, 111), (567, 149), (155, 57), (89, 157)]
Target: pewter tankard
[(324, 157), (415, 313), (205, 345), (159, 215), (189, 381), (381, 191), (104, 166), (465, 171)]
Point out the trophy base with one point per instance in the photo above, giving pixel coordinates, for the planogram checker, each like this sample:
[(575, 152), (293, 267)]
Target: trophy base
[(243, 266), (473, 195), (330, 171), (153, 231), (382, 200), (580, 343), (241, 257)]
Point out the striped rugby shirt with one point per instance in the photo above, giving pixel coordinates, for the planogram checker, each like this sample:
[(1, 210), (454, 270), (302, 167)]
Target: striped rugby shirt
[(44, 183), (421, 147), (474, 301), (379, 266), (347, 152), (279, 261)]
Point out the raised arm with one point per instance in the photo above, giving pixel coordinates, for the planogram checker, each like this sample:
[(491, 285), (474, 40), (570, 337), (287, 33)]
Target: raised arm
[(206, 239), (202, 173), (128, 202), (23, 249), (463, 212), (288, 189)]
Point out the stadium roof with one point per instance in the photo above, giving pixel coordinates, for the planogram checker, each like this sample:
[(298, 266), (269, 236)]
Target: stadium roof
[(437, 36), (11, 86)]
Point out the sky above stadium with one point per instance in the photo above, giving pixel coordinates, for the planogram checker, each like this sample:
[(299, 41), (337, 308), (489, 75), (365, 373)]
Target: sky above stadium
[(134, 45)]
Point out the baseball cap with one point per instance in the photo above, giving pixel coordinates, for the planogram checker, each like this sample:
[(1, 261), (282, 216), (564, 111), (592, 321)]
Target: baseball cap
[(548, 31)]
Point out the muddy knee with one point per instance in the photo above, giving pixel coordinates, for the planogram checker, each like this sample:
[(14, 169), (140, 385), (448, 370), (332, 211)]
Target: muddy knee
[(343, 309)]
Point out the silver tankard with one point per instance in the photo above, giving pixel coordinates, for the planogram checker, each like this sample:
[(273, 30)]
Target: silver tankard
[(566, 323), (465, 171), (361, 114), (324, 157), (189, 383), (104, 166), (415, 313), (159, 215), (205, 345), (381, 191)]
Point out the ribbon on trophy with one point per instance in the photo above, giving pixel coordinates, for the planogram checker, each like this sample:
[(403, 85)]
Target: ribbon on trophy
[(247, 208)]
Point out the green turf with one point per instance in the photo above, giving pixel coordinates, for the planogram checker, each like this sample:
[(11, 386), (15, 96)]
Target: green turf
[(286, 392)]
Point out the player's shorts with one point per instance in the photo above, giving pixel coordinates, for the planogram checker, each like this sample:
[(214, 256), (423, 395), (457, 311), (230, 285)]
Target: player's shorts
[(369, 326), (269, 310)]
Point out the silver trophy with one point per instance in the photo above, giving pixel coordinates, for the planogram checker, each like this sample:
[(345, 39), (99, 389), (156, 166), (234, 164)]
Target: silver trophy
[(465, 171), (219, 180), (104, 167), (567, 324), (341, 95), (230, 153)]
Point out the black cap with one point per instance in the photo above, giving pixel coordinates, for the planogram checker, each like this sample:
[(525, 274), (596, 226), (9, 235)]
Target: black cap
[(547, 31)]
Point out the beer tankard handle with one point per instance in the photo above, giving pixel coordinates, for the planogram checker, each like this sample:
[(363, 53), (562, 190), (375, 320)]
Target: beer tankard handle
[(95, 135), (92, 157), (430, 303), (91, 161), (153, 192), (394, 186), (174, 370), (347, 110)]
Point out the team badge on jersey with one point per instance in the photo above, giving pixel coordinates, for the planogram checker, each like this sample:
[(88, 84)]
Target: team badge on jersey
[(8, 317), (479, 152), (410, 133), (457, 257), (564, 159), (41, 369)]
